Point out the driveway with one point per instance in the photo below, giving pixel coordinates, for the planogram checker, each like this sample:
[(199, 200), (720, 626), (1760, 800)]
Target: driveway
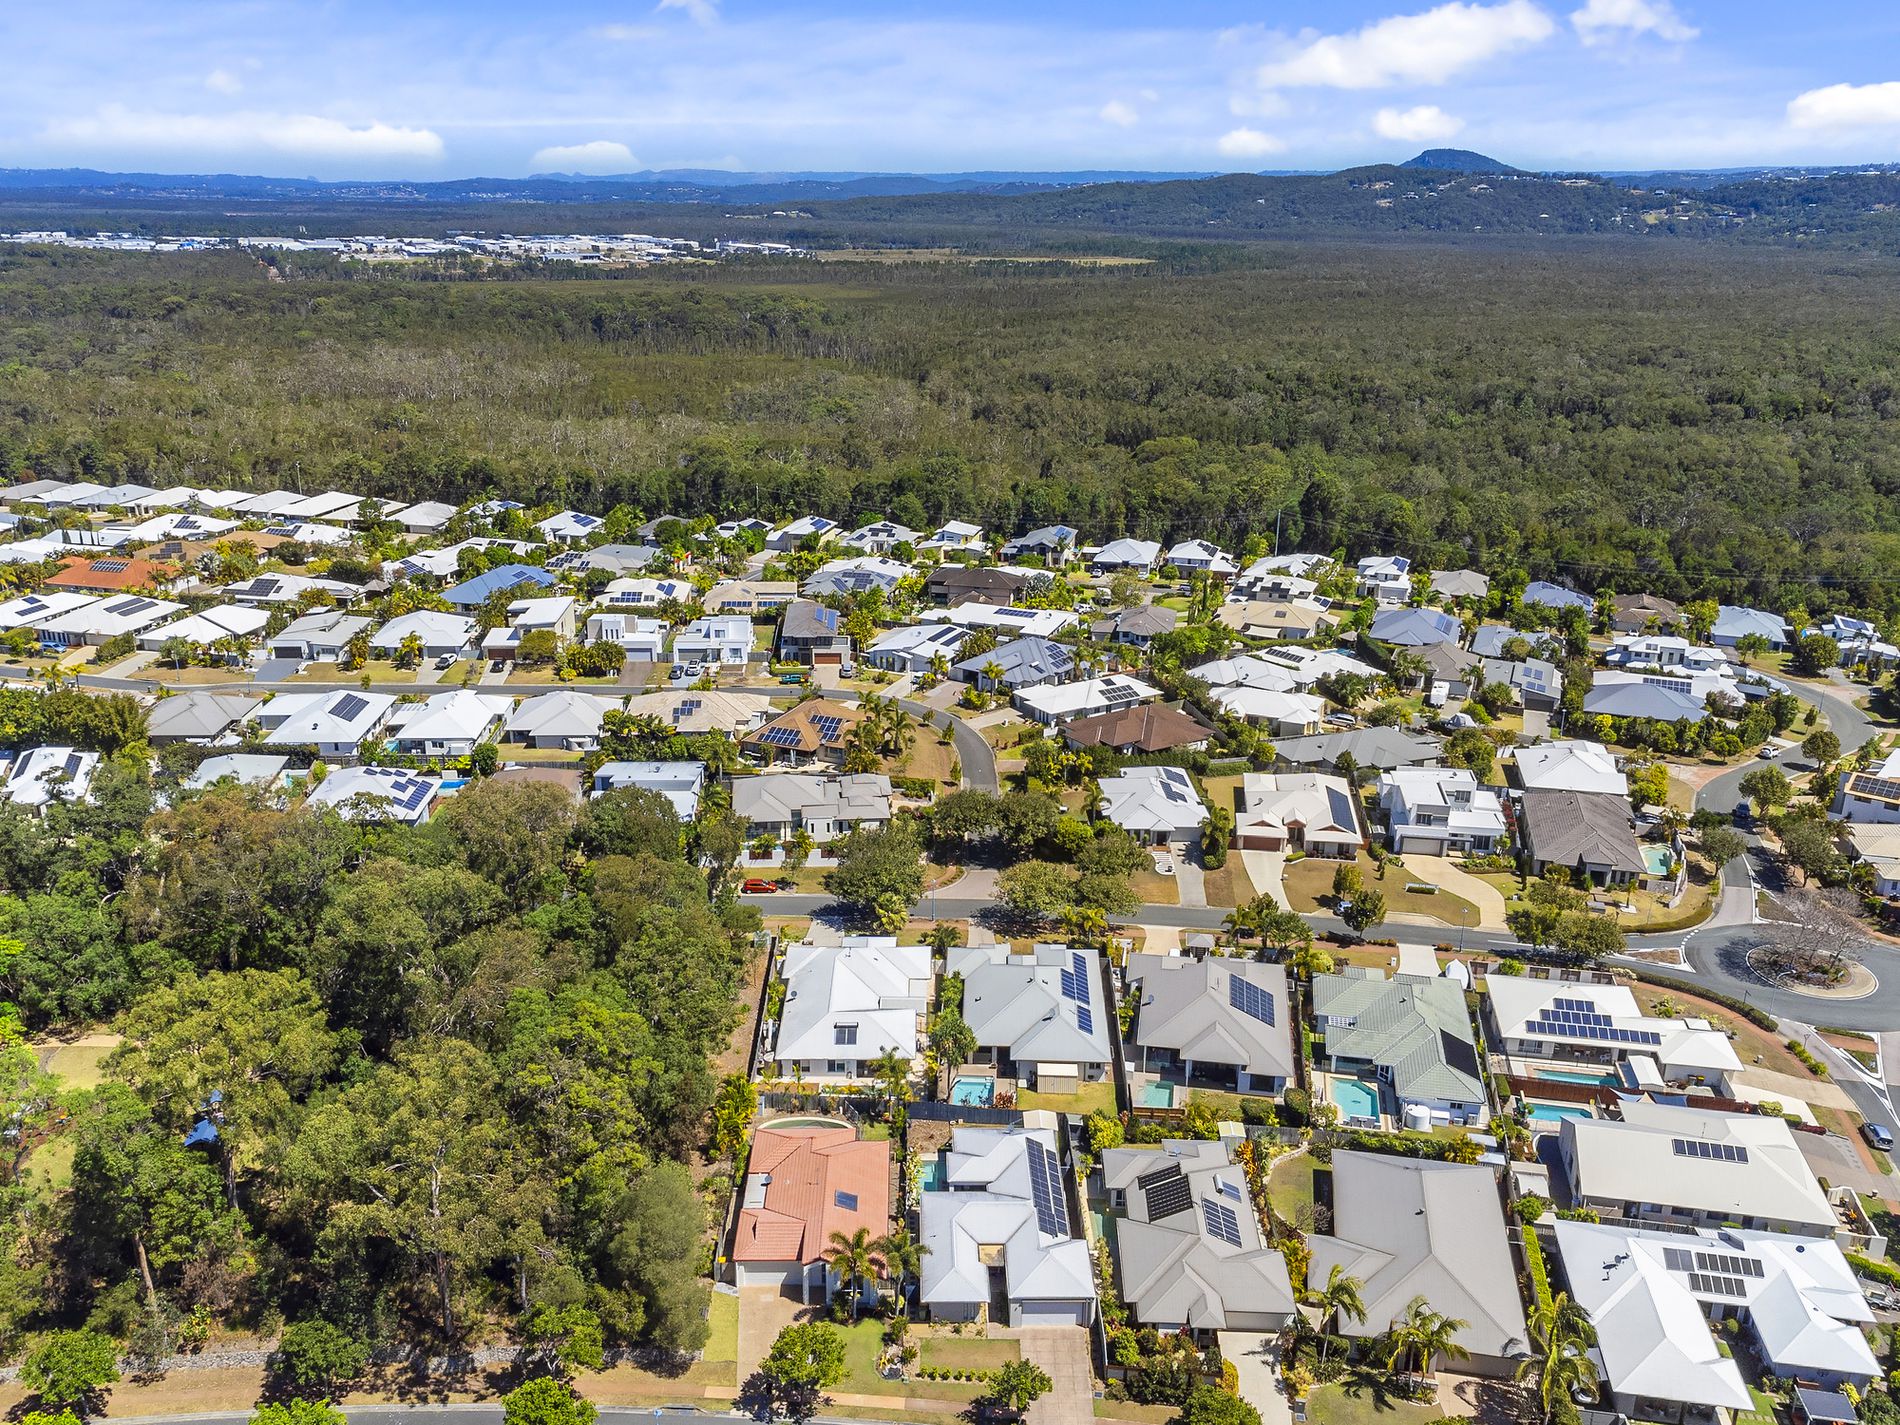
[(1838, 1160), (1190, 880), (1256, 1356), (764, 1311), (1062, 1351), (1267, 871), (1441, 872)]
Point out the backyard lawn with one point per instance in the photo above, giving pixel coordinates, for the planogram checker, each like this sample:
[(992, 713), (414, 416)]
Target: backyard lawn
[(1085, 1100), (1290, 1184), (1310, 879)]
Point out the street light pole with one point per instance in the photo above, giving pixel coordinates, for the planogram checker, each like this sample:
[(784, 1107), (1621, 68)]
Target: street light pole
[(1462, 912)]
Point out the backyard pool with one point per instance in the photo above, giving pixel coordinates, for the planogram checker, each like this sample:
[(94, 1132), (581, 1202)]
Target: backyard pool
[(1558, 1112), (1156, 1095), (1657, 860), (1355, 1097), (1577, 1076), (931, 1178), (973, 1091)]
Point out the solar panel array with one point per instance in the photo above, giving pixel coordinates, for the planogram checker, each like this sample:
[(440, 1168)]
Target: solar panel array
[(847, 1200), (1581, 1019), (829, 727), (1250, 1000), (1118, 694), (128, 607), (1716, 1286), (1865, 784), (1166, 1192), (1229, 1189), (780, 737), (1221, 1221), (1730, 1265), (1045, 1186), (1711, 1152), (349, 707), (1075, 986)]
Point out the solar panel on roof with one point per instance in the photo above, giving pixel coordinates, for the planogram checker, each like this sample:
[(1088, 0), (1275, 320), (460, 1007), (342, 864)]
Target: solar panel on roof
[(1250, 1000), (780, 736), (847, 1200), (1709, 1152), (127, 607), (1221, 1221), (1229, 1189), (1166, 1192), (1678, 1260), (1045, 1185), (349, 707), (828, 727)]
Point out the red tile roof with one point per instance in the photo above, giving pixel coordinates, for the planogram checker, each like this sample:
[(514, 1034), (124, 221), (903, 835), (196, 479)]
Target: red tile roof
[(808, 1170)]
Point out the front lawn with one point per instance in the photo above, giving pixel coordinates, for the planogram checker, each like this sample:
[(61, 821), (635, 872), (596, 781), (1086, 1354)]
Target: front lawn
[(1153, 888), (1361, 1399), (1309, 887), (967, 1353), (723, 1316), (1230, 885)]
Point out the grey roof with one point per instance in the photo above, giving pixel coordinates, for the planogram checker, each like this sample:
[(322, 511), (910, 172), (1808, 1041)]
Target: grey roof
[(1569, 828), (1651, 700), (1488, 639), (773, 797), (1017, 1003), (1461, 584), (1414, 628), (805, 619), (1380, 747), (988, 1208), (616, 558), (1555, 596), (251, 769), (1175, 1269), (1413, 1025), (1735, 621), (1025, 661), (1142, 621), (198, 714), (1187, 1005), (1407, 1227), (1531, 677)]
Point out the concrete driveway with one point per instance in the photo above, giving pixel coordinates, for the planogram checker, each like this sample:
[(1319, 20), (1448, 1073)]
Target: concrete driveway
[(1190, 880), (1062, 1351), (1441, 872), (1267, 871), (1256, 1356), (1839, 1161)]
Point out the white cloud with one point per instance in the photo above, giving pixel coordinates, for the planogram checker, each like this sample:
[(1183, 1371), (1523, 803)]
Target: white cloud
[(116, 127), (1420, 124), (599, 156), (223, 81), (1847, 106), (1248, 143), (703, 12), (1122, 116), (1602, 21), (1411, 49)]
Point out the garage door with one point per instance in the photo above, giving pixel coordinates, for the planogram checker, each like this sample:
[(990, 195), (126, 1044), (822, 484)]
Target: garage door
[(1054, 1313)]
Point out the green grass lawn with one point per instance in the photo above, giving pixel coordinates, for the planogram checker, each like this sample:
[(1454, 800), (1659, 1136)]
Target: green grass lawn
[(1354, 1401), (1085, 1100), (1311, 879), (51, 1164), (1762, 1414), (967, 1353), (79, 1064), (723, 1344), (862, 1343), (1290, 1184)]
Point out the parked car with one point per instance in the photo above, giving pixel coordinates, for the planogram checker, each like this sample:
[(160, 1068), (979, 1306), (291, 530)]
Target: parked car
[(791, 679), (1879, 1135), (1768, 751), (498, 665), (759, 886), (447, 660)]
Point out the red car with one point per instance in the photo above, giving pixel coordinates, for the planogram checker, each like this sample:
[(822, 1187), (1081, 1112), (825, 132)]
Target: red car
[(754, 886)]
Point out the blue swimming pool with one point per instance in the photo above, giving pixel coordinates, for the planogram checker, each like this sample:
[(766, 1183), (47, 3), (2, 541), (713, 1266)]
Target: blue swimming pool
[(1557, 1112), (973, 1091), (1156, 1095), (1574, 1076), (1355, 1097), (931, 1177)]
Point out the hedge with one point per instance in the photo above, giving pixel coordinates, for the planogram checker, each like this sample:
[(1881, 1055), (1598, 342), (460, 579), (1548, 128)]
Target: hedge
[(1534, 1260), (1868, 1267)]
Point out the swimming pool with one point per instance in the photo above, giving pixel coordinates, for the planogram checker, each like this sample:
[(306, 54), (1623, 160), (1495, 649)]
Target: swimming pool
[(931, 1178), (1356, 1098), (1156, 1095), (1657, 860), (1557, 1112), (1574, 1076), (973, 1091)]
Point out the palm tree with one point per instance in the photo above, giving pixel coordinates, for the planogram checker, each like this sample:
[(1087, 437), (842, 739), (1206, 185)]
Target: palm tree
[(1426, 1335), (855, 1259), (903, 1258), (719, 753), (939, 668), (1338, 1300), (1561, 1337)]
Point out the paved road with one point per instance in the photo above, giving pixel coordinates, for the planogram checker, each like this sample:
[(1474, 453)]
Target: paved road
[(473, 1414)]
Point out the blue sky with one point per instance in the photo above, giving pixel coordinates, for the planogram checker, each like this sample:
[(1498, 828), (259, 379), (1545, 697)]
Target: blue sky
[(426, 89)]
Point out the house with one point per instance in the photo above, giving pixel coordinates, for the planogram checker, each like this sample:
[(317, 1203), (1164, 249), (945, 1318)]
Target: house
[(502, 579), (1137, 627), (1603, 1024), (201, 715), (1027, 662), (331, 504), (1571, 767), (1460, 584), (448, 724), (955, 537), (247, 769), (1695, 1167), (1415, 628), (1049, 703), (1189, 1250), (844, 577), (732, 529), (913, 648), (1246, 671), (554, 614), (825, 807), (423, 517), (1286, 714), (619, 560), (45, 775), (1642, 696), (1297, 811), (1412, 1035), (1134, 556), (1540, 594), (1158, 806), (439, 634), (336, 724), (812, 634), (1386, 578), (308, 532), (1370, 748), (722, 640), (433, 563), (1197, 556), (1053, 544), (1587, 833), (967, 583), (1273, 567), (1437, 810), (802, 1187), (1488, 640), (1733, 623), (562, 720), (816, 730), (105, 619), (1000, 1224), (788, 537), (1653, 1294), (115, 575), (1665, 653), (1148, 728), (1308, 665), (1277, 618), (569, 527), (1040, 1018), (1013, 622), (290, 589), (690, 711), (646, 593), (1536, 686), (1872, 796), (1409, 1227), (1635, 613), (1225, 1020), (643, 639), (879, 537), (377, 794), (1877, 847), (750, 597), (32, 610), (320, 636), (208, 627), (681, 783), (848, 1005)]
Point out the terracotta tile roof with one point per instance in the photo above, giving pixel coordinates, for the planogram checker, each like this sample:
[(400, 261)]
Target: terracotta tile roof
[(812, 1173), (111, 574), (815, 725), (1151, 727)]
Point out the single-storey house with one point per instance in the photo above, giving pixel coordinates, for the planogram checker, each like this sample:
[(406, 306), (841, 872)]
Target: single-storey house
[(1040, 1018), (1225, 1020), (802, 1186)]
